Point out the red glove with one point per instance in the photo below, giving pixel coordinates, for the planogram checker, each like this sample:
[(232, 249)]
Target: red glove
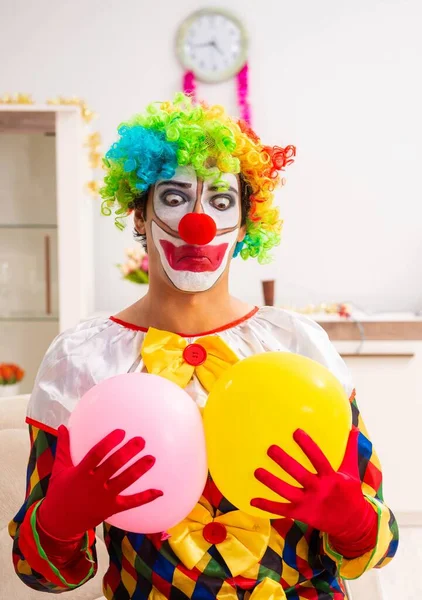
[(329, 501), (81, 497)]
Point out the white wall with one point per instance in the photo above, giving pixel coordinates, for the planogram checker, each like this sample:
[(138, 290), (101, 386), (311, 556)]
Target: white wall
[(340, 79)]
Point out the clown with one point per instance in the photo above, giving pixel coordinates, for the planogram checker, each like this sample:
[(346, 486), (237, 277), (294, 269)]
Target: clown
[(200, 188)]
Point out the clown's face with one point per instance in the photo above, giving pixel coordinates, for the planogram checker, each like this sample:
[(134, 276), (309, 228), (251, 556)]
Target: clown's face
[(190, 263)]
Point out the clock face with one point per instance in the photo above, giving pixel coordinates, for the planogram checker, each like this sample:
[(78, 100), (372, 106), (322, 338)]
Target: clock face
[(212, 44)]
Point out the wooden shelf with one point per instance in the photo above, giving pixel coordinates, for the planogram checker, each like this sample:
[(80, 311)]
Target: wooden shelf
[(374, 330), (377, 354)]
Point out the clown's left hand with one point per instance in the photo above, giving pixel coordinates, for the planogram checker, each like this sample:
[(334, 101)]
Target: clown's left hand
[(330, 501)]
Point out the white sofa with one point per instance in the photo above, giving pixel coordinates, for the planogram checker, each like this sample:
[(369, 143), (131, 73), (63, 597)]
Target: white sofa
[(14, 450)]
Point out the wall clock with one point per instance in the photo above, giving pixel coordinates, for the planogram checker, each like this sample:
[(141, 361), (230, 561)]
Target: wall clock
[(212, 44)]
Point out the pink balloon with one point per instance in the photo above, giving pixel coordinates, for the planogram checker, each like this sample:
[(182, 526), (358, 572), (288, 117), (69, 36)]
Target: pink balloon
[(170, 423)]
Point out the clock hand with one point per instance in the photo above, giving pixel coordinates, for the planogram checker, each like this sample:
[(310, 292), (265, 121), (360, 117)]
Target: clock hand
[(202, 45), (214, 45)]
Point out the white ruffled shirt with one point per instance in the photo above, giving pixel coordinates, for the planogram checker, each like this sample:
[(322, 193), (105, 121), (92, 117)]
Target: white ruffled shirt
[(100, 348)]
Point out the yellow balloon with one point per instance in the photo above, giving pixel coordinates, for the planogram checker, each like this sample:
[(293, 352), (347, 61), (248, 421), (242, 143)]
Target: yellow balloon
[(261, 401)]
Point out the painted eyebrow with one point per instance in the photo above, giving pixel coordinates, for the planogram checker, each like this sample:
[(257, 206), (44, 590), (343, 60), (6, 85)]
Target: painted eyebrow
[(181, 184), (217, 189)]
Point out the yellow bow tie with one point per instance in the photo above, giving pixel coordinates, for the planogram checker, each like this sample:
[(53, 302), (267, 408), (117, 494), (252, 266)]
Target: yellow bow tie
[(240, 538), (170, 355), (268, 589)]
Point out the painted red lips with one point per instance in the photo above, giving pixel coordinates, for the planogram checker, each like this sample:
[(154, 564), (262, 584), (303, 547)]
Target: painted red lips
[(198, 259)]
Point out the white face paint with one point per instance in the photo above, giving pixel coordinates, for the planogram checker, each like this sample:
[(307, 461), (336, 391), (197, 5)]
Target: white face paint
[(185, 265), (195, 268)]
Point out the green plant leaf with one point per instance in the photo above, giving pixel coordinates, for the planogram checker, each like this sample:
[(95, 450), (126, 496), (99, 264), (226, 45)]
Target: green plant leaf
[(137, 277)]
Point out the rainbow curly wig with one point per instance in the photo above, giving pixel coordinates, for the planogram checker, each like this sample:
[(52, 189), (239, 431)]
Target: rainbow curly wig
[(170, 134)]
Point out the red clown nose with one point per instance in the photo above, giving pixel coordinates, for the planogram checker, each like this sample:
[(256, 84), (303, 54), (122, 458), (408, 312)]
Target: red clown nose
[(197, 229)]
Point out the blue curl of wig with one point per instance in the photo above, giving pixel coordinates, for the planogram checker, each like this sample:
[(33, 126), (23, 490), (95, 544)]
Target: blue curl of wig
[(146, 155)]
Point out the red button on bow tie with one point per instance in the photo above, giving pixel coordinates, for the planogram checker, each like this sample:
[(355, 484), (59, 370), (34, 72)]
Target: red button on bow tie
[(195, 355), (214, 533)]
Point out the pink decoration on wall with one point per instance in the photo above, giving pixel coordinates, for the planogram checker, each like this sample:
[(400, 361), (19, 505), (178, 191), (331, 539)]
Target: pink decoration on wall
[(242, 78), (242, 94), (189, 84)]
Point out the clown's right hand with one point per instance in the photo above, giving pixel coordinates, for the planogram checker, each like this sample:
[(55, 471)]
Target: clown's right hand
[(81, 497)]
